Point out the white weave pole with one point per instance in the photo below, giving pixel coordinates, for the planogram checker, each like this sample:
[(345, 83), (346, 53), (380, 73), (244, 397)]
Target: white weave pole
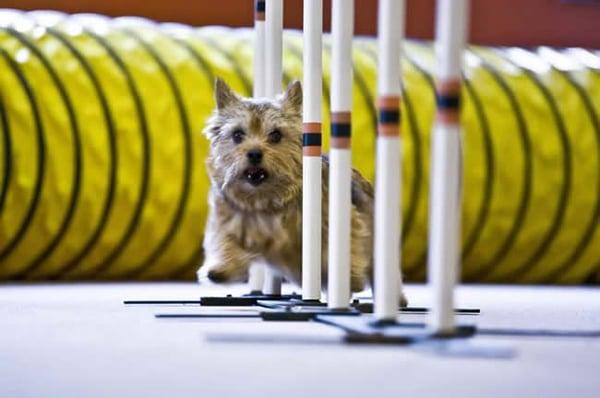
[(256, 275), (386, 249), (340, 162), (273, 68), (311, 160), (445, 205)]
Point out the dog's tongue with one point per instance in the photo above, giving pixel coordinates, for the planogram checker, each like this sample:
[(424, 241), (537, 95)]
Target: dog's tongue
[(255, 175)]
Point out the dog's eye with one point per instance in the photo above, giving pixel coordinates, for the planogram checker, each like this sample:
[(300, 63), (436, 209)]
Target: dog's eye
[(275, 136), (237, 136)]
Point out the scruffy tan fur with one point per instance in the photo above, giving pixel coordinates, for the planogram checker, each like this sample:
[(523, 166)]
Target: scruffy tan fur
[(249, 223)]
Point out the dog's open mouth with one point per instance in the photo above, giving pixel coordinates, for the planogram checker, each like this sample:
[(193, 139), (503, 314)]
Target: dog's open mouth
[(255, 175)]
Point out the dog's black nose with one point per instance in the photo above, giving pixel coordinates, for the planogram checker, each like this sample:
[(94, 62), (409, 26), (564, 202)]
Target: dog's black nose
[(216, 276), (254, 156)]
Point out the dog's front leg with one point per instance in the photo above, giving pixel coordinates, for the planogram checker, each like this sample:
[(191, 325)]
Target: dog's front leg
[(224, 260)]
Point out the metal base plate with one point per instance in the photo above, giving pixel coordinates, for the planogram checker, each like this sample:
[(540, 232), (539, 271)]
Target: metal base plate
[(246, 300), (365, 329), (367, 308), (306, 313)]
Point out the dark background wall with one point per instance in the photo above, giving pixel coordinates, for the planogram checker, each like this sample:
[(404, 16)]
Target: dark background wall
[(499, 22)]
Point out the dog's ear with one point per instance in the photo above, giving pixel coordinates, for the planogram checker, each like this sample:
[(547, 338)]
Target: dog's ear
[(292, 98), (224, 95)]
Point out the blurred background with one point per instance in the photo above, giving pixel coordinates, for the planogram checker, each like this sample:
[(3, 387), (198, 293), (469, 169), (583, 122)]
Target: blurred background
[(493, 22)]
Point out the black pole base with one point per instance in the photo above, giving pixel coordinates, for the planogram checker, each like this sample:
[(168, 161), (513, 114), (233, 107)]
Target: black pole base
[(247, 300), (306, 313), (297, 303), (296, 314), (161, 302), (366, 330), (367, 308)]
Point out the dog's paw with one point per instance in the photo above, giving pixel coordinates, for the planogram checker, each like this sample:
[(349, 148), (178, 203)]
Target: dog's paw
[(403, 300), (202, 274), (213, 274)]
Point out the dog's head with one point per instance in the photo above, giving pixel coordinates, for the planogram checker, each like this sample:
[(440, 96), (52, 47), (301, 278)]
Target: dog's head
[(256, 148)]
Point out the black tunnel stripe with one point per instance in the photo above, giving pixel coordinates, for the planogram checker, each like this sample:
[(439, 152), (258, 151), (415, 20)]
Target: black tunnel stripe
[(192, 264), (592, 225), (565, 191), (369, 100), (194, 261), (237, 68), (593, 277), (187, 139), (414, 132), (41, 158), (484, 209), (411, 271), (311, 139), (389, 117), (146, 156), (76, 137), (415, 193), (6, 139), (524, 202), (198, 60), (112, 162)]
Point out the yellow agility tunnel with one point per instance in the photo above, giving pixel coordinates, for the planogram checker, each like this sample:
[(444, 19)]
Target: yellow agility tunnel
[(102, 162)]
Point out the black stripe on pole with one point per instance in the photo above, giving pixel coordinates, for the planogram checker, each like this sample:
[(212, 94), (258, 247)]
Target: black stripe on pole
[(418, 267), (414, 132), (41, 158), (389, 117), (447, 101), (260, 6), (340, 130), (112, 162), (146, 157), (311, 139), (364, 91)]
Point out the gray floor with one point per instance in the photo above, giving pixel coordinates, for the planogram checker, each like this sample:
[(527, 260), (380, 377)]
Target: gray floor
[(80, 341)]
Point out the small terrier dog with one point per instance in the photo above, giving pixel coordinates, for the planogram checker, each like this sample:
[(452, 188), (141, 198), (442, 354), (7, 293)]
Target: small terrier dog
[(255, 200)]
